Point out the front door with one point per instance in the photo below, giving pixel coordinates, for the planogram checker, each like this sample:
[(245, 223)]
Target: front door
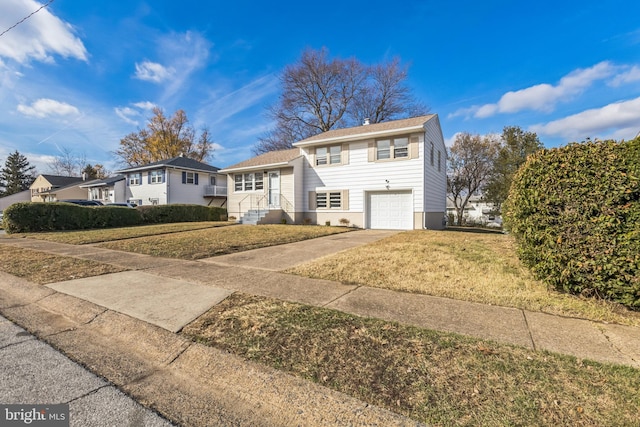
[(274, 189)]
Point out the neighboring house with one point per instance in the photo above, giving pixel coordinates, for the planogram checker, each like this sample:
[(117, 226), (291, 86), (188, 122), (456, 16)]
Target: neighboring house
[(389, 175), (108, 190), (22, 196), (51, 188), (176, 180), (476, 211)]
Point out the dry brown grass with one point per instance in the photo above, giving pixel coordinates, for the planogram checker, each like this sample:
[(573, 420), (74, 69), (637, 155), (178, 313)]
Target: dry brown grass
[(218, 241), (434, 377), (466, 266), (43, 268), (82, 237)]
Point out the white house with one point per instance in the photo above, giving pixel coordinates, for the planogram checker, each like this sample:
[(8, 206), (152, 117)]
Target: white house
[(476, 211), (107, 190), (176, 180), (389, 175)]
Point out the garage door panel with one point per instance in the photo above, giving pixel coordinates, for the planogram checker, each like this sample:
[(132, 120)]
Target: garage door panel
[(390, 210)]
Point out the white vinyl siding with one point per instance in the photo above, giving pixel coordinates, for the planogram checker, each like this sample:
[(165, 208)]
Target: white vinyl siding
[(361, 175), (435, 180)]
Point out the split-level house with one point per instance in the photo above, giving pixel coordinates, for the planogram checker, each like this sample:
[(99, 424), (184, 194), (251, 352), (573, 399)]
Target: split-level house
[(52, 188), (389, 175), (176, 180)]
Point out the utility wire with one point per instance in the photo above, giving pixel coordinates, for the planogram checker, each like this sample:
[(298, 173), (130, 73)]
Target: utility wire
[(26, 17)]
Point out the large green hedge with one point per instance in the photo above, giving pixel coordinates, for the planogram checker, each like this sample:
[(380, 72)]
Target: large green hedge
[(30, 217), (180, 213), (33, 217), (575, 214)]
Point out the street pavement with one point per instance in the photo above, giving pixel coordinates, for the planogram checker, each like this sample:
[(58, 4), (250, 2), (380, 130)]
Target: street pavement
[(33, 373)]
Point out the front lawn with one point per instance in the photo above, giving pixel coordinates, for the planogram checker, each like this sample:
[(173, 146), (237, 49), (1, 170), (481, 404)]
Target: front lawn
[(219, 241), (434, 377), (465, 266), (43, 268), (83, 237)]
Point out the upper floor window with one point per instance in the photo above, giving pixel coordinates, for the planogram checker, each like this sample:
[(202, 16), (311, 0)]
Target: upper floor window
[(248, 181), (392, 148), (328, 155), (431, 154), (135, 179), (156, 177), (439, 161), (189, 177)]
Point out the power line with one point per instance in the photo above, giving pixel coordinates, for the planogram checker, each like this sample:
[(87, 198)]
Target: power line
[(26, 17)]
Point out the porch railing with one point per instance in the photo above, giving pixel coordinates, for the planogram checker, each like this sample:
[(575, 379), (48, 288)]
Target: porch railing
[(214, 190)]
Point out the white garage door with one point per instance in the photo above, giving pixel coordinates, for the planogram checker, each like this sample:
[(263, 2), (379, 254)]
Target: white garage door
[(390, 210)]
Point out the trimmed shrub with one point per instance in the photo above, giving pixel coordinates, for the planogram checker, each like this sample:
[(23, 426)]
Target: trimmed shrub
[(32, 217), (162, 214), (575, 214)]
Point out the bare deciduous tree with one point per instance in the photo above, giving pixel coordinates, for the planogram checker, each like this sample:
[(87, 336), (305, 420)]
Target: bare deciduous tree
[(320, 94), (68, 163), (470, 164)]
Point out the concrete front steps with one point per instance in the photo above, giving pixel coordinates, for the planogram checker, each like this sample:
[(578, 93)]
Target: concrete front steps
[(261, 216)]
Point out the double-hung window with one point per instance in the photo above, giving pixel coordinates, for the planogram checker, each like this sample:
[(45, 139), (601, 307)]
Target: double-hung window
[(249, 181), (190, 178), (331, 155), (155, 177), (392, 148), (135, 179)]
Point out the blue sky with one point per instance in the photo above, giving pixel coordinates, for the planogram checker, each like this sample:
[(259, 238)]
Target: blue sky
[(81, 75)]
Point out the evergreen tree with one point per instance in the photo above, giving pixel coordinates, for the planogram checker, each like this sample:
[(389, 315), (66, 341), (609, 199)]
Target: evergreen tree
[(17, 175)]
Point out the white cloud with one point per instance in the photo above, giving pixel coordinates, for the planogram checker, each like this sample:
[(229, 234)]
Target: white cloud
[(542, 97), (153, 72), (621, 119), (45, 107), (629, 76), (39, 37), (126, 114), (145, 105)]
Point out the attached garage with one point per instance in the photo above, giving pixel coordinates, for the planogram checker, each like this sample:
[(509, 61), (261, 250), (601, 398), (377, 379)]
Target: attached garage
[(390, 210)]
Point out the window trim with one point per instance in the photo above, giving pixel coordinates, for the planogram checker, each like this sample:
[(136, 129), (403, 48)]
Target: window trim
[(156, 176), (244, 186), (329, 198), (329, 157), (411, 150), (135, 179)]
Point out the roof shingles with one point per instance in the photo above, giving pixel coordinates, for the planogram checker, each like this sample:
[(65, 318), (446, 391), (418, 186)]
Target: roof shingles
[(270, 158)]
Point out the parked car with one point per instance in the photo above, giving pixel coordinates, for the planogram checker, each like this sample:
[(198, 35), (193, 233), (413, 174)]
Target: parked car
[(126, 205), (83, 202)]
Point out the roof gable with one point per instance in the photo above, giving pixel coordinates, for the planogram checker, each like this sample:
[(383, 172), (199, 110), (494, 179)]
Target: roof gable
[(271, 158), (179, 162), (61, 181), (364, 131)]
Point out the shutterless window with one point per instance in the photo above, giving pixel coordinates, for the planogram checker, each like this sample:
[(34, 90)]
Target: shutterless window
[(248, 182), (400, 147), (237, 182), (321, 156), (335, 156), (383, 149), (259, 181)]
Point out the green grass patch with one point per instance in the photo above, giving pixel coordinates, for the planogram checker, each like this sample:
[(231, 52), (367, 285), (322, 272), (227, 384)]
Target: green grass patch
[(106, 235), (434, 377), (43, 268), (219, 241)]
